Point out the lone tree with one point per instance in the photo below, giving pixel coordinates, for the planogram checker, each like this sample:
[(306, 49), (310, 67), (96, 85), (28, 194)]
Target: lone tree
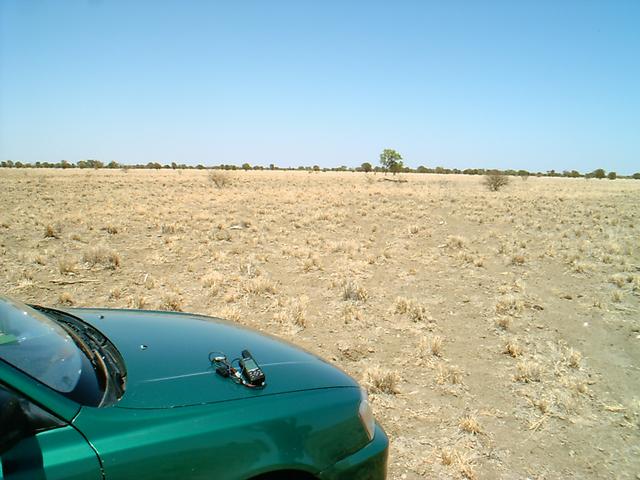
[(612, 175), (391, 160), (495, 181), (598, 173), (366, 167)]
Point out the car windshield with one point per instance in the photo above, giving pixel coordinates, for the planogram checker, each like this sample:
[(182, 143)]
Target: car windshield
[(38, 346)]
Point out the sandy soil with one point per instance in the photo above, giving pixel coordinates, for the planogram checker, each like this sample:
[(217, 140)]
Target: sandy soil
[(498, 332)]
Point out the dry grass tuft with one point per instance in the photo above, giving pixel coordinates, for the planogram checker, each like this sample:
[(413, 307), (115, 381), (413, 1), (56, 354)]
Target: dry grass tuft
[(509, 305), (214, 282), (231, 313), (470, 424), (67, 265), (65, 298), (101, 256), (618, 280), (312, 262), (52, 231), (453, 458), (574, 358), (381, 380), (448, 374), (171, 302), (138, 302), (351, 314), (115, 293), (414, 229), (617, 296), (259, 286), (455, 242), (219, 179), (168, 229), (353, 291), (517, 260), (528, 371), (513, 348), (294, 312), (435, 345), (503, 322), (447, 456), (410, 307)]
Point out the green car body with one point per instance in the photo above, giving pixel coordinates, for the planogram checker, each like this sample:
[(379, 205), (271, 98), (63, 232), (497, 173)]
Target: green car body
[(177, 418)]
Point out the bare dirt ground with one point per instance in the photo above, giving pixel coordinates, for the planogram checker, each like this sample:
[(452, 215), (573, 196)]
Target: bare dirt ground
[(498, 332)]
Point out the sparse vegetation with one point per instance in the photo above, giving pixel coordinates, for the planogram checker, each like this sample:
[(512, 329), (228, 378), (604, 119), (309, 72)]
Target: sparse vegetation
[(373, 273)]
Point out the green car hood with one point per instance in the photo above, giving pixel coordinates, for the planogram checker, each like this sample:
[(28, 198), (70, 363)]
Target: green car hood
[(166, 355)]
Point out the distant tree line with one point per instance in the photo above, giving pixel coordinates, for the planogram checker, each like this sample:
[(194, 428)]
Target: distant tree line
[(389, 163)]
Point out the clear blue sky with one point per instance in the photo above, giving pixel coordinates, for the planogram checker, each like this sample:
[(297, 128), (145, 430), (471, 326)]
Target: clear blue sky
[(537, 84)]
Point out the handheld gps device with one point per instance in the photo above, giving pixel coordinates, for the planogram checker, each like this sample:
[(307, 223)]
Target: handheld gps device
[(251, 371)]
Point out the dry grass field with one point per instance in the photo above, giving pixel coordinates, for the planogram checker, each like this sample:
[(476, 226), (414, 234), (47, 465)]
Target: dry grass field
[(498, 332)]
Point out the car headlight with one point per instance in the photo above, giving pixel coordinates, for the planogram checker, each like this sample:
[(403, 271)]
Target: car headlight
[(366, 415)]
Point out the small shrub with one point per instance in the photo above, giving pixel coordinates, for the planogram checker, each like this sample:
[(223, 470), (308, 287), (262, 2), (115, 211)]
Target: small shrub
[(495, 181)]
